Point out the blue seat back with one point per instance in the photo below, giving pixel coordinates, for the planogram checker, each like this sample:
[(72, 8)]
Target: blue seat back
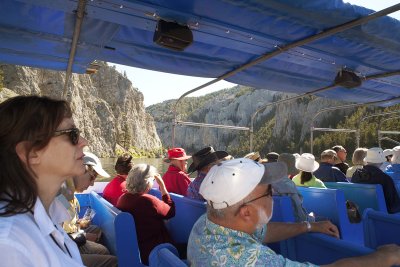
[(118, 230), (381, 228), (322, 249), (165, 255), (330, 204), (187, 211), (364, 195), (282, 210)]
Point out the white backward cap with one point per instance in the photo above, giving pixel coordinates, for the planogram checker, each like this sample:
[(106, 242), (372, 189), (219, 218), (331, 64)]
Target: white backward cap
[(231, 181), (91, 159), (388, 152)]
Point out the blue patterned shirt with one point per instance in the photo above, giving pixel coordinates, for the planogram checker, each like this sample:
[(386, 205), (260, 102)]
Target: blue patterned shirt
[(213, 245), (194, 187)]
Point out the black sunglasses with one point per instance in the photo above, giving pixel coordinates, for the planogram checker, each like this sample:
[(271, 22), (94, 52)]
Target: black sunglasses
[(72, 133)]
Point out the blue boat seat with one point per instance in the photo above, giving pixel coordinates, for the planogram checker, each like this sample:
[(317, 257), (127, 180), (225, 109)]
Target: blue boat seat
[(364, 195), (165, 255), (381, 228), (118, 229), (330, 204)]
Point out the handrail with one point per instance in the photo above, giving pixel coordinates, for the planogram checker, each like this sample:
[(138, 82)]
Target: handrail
[(208, 125), (344, 107), (379, 127), (279, 50), (335, 130), (75, 37)]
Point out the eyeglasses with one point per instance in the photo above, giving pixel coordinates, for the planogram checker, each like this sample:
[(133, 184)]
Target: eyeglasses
[(268, 193), (72, 133)]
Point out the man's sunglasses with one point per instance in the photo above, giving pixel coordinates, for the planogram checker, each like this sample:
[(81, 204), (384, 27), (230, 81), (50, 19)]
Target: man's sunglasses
[(72, 133)]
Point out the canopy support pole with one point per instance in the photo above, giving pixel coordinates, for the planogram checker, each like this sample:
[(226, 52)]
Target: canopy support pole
[(80, 12)]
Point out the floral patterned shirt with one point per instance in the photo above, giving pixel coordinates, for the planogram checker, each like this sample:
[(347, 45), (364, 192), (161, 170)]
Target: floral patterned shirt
[(213, 245)]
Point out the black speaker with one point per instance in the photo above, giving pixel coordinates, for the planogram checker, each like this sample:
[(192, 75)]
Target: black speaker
[(347, 79), (172, 35)]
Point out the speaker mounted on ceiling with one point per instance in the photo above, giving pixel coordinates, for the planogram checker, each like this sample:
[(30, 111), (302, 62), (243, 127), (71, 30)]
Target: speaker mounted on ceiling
[(172, 35), (348, 79)]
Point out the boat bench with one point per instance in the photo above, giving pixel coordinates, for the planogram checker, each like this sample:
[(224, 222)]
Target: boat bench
[(364, 195), (188, 210), (165, 255), (330, 204), (321, 249), (381, 228), (118, 229)]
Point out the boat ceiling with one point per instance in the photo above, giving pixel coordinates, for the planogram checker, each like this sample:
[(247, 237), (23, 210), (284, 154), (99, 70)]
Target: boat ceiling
[(226, 35)]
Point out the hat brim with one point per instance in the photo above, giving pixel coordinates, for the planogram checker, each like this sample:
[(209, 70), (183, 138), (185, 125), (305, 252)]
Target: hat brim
[(313, 169), (181, 158), (274, 172), (216, 155), (101, 172)]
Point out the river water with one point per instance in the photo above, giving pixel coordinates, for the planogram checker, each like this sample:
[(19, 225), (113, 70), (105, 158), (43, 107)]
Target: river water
[(108, 166)]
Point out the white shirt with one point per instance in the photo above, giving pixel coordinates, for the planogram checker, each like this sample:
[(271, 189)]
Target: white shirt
[(25, 239)]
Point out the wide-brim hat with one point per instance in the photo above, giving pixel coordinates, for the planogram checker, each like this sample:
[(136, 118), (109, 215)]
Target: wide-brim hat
[(306, 162), (204, 157), (375, 155), (177, 153), (254, 156)]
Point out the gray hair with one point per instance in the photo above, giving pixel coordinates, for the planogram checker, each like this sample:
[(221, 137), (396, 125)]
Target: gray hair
[(359, 155), (140, 178)]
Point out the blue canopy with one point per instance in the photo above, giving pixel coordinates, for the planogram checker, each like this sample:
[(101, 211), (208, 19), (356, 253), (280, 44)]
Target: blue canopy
[(226, 35)]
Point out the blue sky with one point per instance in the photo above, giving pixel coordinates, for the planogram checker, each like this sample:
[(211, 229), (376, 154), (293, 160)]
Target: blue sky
[(150, 82)]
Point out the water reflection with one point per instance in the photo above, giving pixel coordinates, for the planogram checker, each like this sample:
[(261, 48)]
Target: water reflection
[(108, 166)]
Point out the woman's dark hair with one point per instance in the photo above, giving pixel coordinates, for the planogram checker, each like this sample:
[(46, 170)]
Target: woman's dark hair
[(305, 177), (123, 164), (33, 120)]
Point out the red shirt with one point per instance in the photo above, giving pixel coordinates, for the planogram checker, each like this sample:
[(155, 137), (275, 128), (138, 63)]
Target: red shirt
[(149, 213), (114, 189), (176, 181)]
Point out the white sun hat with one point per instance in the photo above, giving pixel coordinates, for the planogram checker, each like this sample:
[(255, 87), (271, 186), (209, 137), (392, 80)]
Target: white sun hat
[(231, 181), (375, 155), (306, 162), (91, 159)]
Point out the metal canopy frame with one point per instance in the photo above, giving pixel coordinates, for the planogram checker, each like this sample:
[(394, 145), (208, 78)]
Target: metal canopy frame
[(343, 107), (380, 132), (279, 50)]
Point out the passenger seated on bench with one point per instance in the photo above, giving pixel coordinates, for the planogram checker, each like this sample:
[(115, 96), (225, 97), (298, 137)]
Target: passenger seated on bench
[(286, 187), (327, 172), (233, 231), (371, 174), (40, 148), (175, 178), (307, 165), (148, 211), (114, 189), (358, 161), (340, 161), (388, 154), (93, 254), (394, 167), (203, 160)]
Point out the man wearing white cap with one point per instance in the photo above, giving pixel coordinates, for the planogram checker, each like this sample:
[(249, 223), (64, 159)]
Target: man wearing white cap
[(239, 206), (371, 174)]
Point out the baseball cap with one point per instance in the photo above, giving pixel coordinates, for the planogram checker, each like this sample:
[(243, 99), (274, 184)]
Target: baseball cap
[(231, 181), (91, 159)]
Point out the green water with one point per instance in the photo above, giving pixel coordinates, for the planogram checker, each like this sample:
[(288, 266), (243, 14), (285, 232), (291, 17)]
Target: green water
[(108, 166)]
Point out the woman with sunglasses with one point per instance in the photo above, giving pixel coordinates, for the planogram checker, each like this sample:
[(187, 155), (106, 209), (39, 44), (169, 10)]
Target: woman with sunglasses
[(40, 148)]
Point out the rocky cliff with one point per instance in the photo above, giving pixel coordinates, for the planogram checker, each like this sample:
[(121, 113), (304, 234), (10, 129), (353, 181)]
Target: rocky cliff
[(107, 108), (282, 128)]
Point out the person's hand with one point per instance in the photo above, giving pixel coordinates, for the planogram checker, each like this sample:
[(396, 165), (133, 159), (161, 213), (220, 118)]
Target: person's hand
[(325, 227), (158, 179)]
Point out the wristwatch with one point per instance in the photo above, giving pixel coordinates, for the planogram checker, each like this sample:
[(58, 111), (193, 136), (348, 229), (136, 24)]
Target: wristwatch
[(308, 225)]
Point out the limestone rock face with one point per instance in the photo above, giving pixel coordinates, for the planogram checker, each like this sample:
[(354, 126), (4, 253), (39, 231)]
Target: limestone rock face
[(235, 106), (107, 108)]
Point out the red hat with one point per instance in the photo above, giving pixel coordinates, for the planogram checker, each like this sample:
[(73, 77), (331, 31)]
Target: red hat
[(177, 153)]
